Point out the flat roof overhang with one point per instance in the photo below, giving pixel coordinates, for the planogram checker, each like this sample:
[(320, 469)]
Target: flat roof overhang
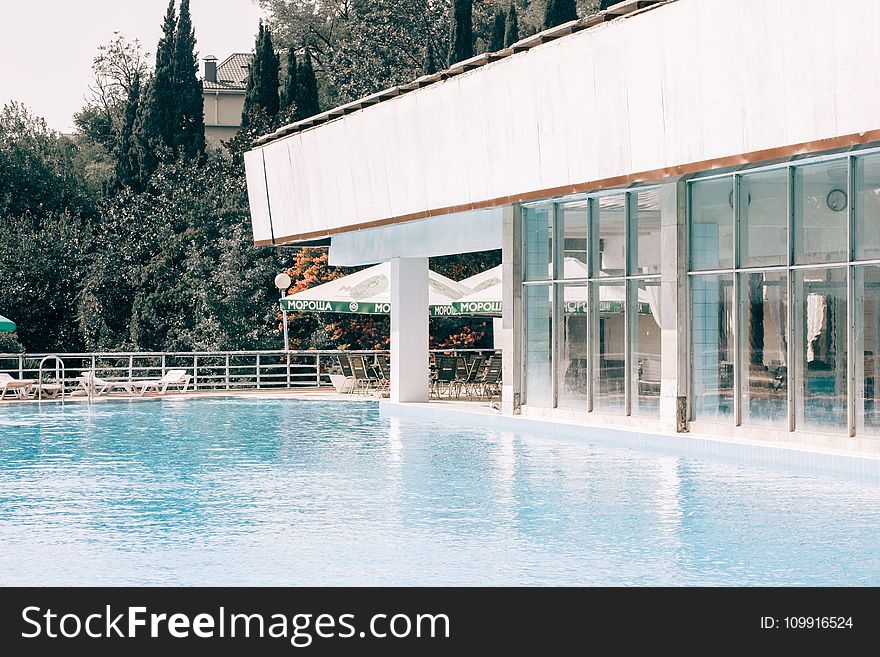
[(685, 87)]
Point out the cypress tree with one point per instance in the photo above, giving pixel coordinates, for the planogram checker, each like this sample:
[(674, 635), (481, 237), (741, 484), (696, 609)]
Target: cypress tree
[(190, 123), (430, 66), (270, 70), (262, 86), (289, 93), (559, 12), (496, 39), (156, 124), (604, 4), (461, 37), (307, 103), (511, 28), (127, 171), (250, 96)]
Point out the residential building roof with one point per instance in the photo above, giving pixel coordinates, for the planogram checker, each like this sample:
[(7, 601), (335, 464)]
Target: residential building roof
[(232, 73)]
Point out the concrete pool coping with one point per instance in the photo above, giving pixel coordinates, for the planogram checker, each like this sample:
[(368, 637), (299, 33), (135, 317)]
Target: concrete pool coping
[(791, 455)]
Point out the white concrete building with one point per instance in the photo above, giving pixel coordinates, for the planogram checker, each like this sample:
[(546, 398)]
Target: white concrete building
[(715, 165)]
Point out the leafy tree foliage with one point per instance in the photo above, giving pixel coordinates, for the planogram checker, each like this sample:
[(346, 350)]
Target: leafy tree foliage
[(189, 118), (558, 12), (496, 41), (307, 103), (263, 80), (461, 34), (290, 91), (511, 26)]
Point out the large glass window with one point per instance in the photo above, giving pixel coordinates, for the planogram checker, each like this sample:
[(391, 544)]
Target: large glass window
[(644, 252), (868, 207), (764, 218), (574, 373), (764, 361), (867, 348), (602, 337), (820, 212), (537, 243), (574, 217), (538, 307), (711, 230), (611, 213), (645, 325), (712, 345), (821, 344), (609, 347)]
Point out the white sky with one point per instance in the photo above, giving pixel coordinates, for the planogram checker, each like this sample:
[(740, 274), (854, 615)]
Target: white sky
[(47, 46)]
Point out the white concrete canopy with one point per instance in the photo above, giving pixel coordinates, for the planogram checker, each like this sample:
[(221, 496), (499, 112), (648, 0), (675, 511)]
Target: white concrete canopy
[(682, 87)]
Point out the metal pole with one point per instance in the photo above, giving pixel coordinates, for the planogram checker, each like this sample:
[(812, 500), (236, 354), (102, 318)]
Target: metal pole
[(227, 371), (284, 319)]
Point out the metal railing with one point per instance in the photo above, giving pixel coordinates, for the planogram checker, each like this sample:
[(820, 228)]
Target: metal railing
[(209, 370)]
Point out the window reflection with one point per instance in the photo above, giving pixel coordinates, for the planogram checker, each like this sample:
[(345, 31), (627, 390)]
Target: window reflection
[(712, 346), (645, 349)]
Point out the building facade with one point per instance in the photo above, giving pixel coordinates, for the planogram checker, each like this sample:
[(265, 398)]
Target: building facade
[(687, 195), (223, 89)]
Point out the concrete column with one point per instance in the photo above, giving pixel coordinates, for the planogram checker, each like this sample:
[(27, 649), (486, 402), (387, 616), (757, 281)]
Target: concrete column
[(511, 309), (674, 304), (409, 330)]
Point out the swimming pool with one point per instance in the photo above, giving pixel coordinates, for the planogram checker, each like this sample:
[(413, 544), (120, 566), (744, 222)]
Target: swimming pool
[(233, 491)]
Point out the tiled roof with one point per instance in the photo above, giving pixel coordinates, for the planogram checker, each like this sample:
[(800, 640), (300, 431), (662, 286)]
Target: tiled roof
[(232, 73)]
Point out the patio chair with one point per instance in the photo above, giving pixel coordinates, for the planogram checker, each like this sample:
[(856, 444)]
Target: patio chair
[(474, 372), (89, 381), (383, 369), (490, 382), (345, 365), (363, 381), (445, 377), (18, 387), (173, 378)]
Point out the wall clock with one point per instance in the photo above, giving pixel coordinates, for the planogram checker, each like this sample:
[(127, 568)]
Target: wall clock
[(836, 200)]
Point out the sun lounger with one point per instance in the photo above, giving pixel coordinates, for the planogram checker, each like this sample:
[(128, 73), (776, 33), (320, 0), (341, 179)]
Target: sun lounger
[(18, 387), (174, 378), (98, 386), (47, 390)]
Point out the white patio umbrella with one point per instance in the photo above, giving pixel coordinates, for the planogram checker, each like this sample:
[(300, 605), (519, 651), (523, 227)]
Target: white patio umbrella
[(487, 300), (368, 292)]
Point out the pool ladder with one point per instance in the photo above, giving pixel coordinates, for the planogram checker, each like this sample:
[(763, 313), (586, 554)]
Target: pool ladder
[(58, 362)]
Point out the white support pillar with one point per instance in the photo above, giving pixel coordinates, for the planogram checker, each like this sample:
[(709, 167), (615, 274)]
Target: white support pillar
[(409, 330), (511, 310)]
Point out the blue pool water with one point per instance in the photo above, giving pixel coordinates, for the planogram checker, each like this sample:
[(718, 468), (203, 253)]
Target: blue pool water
[(279, 492)]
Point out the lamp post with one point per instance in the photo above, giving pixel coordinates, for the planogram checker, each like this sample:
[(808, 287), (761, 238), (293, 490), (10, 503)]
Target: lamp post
[(282, 282)]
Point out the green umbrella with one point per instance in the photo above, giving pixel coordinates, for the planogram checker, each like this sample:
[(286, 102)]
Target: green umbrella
[(6, 325)]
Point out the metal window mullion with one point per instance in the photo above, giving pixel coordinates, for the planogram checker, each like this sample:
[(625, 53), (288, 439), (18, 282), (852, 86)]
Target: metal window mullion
[(851, 396), (791, 370), (737, 299), (629, 226), (555, 290)]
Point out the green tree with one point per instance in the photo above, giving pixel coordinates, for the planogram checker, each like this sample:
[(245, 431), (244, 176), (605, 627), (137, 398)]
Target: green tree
[(127, 167), (430, 66), (558, 12), (290, 90), (496, 40), (604, 4), (155, 128), (461, 33), (189, 120), (511, 27), (263, 80), (307, 103)]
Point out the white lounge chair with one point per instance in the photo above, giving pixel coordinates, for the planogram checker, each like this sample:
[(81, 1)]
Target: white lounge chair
[(174, 378), (98, 386), (18, 387)]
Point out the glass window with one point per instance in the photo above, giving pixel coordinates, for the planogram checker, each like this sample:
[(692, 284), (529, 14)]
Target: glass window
[(712, 346), (645, 232), (820, 343), (573, 374), (538, 354), (763, 362), (537, 243), (611, 215), (574, 217), (645, 335), (609, 347), (712, 224), (868, 207), (820, 212), (763, 212), (867, 284)]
